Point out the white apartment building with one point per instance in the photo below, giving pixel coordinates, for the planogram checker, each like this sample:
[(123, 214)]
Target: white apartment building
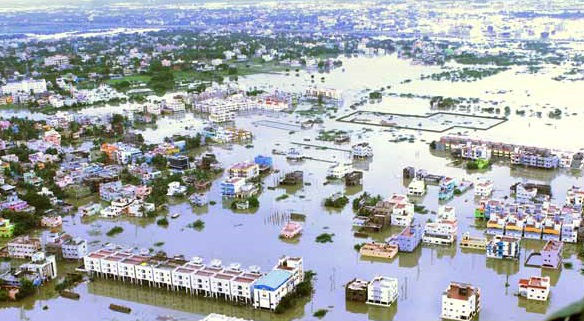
[(382, 291), (484, 187), (44, 266), (339, 170), (192, 277), (460, 302), (74, 249), (56, 61), (417, 187), (439, 233), (362, 150), (402, 214), (273, 286), (535, 288), (37, 86), (23, 247)]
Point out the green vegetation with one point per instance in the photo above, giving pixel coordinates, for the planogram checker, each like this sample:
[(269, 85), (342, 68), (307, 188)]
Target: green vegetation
[(198, 225), (282, 197), (114, 230), (364, 200), (465, 74), (336, 202), (162, 221), (70, 280), (302, 291), (375, 95), (320, 313), (478, 164), (421, 209), (159, 244), (325, 238)]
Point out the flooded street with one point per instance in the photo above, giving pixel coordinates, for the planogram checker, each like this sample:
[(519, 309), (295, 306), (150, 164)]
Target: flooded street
[(251, 237)]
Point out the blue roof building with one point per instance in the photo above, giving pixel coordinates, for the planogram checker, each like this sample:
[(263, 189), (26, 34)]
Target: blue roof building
[(273, 280)]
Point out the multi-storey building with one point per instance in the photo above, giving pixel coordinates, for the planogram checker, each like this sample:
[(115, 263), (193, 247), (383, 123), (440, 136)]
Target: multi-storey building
[(23, 247), (382, 291), (460, 302), (535, 288), (503, 247)]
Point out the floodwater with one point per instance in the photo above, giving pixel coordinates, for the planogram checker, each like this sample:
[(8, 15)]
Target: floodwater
[(251, 238)]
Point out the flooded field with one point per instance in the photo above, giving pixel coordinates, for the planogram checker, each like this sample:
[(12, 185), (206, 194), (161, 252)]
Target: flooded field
[(251, 238), (435, 122)]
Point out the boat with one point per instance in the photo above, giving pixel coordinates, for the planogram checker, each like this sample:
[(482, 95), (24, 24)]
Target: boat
[(175, 215)]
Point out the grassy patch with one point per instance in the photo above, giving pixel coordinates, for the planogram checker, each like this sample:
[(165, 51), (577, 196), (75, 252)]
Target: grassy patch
[(320, 313), (114, 230), (325, 238), (282, 197)]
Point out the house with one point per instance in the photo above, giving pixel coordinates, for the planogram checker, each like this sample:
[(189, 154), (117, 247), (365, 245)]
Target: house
[(474, 152), (89, 209), (53, 137), (525, 194), (264, 162), (402, 211), (45, 267), (23, 247), (382, 291), (379, 250), (356, 290), (439, 233), (354, 178), (503, 247), (339, 170), (198, 199), (51, 221), (245, 170), (362, 150), (551, 254), (410, 237), (460, 302), (483, 187), (178, 162), (447, 187), (176, 189), (417, 187), (291, 230), (6, 228), (232, 186), (471, 242), (535, 288)]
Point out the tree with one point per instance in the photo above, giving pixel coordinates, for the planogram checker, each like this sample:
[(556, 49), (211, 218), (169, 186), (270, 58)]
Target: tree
[(26, 288), (159, 161)]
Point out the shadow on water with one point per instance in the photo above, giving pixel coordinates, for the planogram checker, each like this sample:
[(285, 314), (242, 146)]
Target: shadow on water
[(373, 312), (185, 302)]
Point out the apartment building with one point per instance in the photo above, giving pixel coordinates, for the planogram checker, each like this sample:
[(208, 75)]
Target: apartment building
[(382, 291), (193, 277), (362, 150), (23, 247), (245, 170), (503, 247), (379, 250), (409, 238), (35, 86), (273, 286), (535, 288), (417, 187), (460, 301)]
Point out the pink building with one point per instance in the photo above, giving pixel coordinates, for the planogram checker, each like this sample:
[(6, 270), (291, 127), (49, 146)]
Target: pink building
[(53, 137), (291, 230)]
